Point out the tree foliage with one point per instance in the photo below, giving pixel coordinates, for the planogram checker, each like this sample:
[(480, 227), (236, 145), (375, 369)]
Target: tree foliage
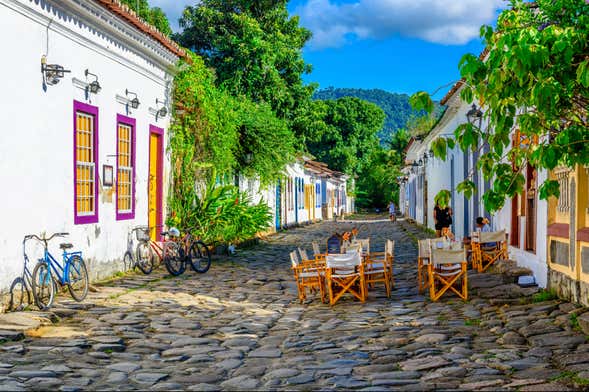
[(152, 15), (535, 78), (347, 137), (254, 47), (215, 134), (395, 106)]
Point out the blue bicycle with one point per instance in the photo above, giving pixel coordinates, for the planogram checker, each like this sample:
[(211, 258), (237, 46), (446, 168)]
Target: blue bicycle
[(49, 273)]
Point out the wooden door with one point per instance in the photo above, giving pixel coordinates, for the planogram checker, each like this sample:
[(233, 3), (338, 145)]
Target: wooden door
[(155, 182)]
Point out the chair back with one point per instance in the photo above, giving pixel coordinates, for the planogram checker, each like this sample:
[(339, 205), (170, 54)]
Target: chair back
[(389, 248), (334, 244), (294, 259), (424, 249), (303, 254), (448, 256), (363, 244), (346, 260), (316, 250), (493, 236)]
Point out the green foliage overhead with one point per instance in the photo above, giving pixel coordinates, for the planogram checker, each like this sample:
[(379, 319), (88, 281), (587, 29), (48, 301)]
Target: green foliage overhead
[(535, 78), (254, 47), (348, 137), (396, 107), (152, 15)]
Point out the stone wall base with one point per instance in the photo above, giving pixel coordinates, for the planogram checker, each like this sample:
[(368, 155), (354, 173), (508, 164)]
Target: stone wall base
[(568, 288), (96, 272)]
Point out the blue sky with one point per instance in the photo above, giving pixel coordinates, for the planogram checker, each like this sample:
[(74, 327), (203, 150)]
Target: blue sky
[(396, 45)]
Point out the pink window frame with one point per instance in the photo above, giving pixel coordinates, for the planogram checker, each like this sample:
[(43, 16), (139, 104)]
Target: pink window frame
[(93, 111), (132, 123), (160, 172)]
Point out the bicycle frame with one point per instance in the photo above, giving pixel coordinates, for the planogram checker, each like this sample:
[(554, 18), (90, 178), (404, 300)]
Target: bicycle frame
[(61, 271)]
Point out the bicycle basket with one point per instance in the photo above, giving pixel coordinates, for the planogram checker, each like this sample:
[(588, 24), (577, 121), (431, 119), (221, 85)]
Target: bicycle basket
[(142, 234)]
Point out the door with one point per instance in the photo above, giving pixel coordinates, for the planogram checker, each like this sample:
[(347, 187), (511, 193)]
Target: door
[(278, 204), (155, 182)]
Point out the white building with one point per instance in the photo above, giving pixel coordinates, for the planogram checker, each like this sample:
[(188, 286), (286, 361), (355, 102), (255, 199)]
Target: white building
[(524, 217), (68, 135)]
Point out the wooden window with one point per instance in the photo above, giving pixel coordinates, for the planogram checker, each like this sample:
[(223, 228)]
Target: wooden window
[(86, 163), (125, 167)]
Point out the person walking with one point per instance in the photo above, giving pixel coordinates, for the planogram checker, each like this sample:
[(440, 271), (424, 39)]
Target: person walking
[(392, 211), (442, 221)]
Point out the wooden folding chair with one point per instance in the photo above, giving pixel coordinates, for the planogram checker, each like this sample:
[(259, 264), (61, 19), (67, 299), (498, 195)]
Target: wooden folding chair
[(487, 248), (345, 274), (376, 269), (446, 271), (390, 259), (307, 275), (423, 259), (316, 250)]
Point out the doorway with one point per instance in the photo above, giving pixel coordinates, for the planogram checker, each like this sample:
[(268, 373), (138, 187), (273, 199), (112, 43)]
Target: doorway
[(154, 192)]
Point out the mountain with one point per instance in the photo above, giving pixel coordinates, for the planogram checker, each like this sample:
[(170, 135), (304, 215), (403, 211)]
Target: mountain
[(395, 106)]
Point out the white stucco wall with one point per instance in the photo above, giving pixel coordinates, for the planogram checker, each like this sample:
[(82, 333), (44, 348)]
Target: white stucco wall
[(36, 160)]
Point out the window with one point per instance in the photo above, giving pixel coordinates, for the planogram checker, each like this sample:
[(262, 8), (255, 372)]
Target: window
[(86, 163), (125, 167), (318, 195)]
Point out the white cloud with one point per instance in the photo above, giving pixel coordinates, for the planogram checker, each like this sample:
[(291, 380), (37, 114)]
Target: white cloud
[(451, 22), (173, 9)]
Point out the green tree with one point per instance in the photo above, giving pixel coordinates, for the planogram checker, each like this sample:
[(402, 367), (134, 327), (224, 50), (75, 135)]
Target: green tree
[(348, 136), (154, 16), (254, 47), (535, 78)]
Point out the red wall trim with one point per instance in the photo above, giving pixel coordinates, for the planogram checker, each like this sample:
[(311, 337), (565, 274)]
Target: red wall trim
[(558, 230)]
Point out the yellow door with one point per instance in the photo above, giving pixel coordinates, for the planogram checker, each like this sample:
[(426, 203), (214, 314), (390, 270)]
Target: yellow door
[(154, 183)]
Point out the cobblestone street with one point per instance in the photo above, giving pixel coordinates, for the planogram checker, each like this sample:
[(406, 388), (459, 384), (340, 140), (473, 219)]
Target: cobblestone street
[(240, 326)]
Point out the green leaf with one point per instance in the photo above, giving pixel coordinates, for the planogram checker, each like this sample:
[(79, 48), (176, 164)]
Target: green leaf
[(549, 188), (443, 198), (583, 73), (467, 188), (439, 147), (421, 100)]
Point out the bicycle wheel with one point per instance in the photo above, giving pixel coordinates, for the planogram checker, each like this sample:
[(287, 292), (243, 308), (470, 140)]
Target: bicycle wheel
[(200, 257), (18, 294), (43, 287), (77, 278), (173, 256), (128, 261), (145, 258)]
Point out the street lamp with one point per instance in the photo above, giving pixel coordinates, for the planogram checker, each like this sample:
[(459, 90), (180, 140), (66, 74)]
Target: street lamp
[(474, 114)]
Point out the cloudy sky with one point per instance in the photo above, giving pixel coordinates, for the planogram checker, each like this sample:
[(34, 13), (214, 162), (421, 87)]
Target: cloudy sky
[(396, 45)]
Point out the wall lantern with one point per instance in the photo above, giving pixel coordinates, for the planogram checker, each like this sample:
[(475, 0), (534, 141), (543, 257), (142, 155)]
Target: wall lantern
[(431, 153), (93, 87), (161, 112), (52, 73), (134, 103), (474, 114)]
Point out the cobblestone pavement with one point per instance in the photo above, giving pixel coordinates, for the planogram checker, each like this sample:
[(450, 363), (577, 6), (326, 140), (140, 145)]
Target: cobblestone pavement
[(240, 326)]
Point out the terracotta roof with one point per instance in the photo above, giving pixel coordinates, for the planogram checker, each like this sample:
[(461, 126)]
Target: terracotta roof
[(459, 83), (127, 14), (322, 168)]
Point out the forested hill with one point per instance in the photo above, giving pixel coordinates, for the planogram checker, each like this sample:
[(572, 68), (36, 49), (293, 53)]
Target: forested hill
[(395, 106)]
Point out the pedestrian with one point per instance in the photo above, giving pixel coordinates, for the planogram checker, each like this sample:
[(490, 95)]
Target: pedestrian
[(442, 220), (483, 224), (392, 211)]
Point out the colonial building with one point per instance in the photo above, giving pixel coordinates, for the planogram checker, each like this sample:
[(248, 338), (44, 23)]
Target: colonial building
[(524, 217), (86, 95)]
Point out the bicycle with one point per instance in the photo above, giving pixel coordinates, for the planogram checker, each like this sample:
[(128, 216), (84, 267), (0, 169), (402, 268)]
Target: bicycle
[(145, 264), (21, 287), (198, 253), (72, 273)]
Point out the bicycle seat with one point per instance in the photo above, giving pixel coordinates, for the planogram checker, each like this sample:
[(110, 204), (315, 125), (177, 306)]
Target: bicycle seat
[(65, 246), (164, 233)]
